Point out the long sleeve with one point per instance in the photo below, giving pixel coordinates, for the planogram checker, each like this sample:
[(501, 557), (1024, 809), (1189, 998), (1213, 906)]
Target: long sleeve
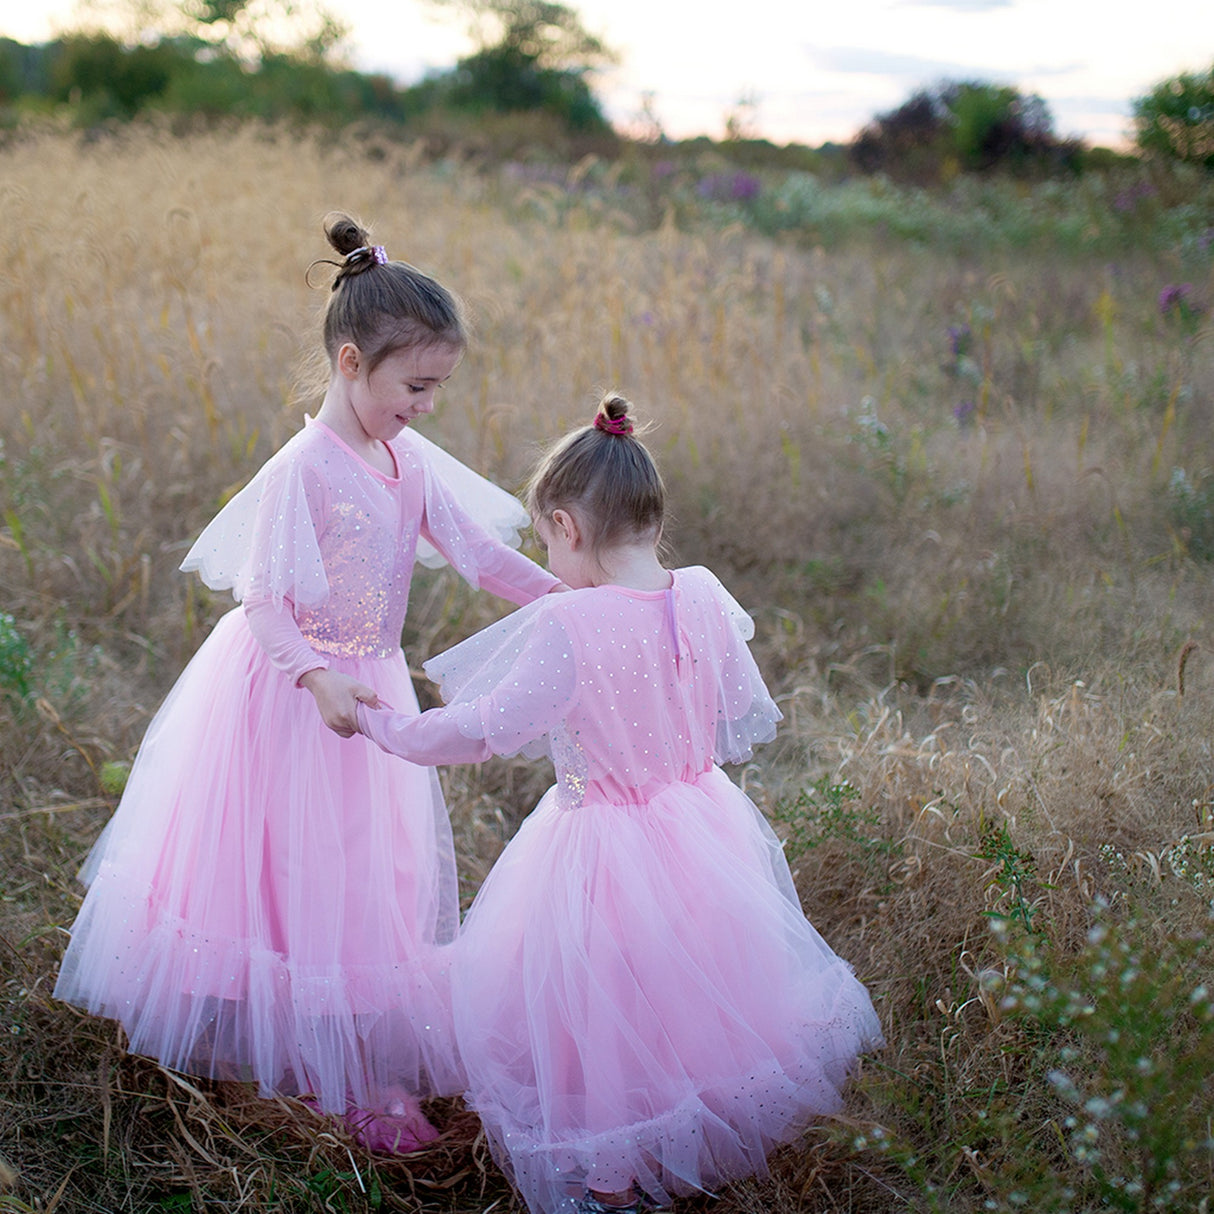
[(480, 556), (275, 630), (509, 687), (516, 577), (432, 738), (516, 680)]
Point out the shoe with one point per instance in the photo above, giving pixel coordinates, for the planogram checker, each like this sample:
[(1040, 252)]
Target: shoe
[(399, 1129), (592, 1205)]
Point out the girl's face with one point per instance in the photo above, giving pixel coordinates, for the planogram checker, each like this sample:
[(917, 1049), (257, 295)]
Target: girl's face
[(399, 390)]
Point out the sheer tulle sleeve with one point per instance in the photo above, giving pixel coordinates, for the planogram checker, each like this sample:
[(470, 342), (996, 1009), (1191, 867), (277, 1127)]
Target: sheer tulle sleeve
[(746, 713), (515, 681), (264, 543), (475, 525)]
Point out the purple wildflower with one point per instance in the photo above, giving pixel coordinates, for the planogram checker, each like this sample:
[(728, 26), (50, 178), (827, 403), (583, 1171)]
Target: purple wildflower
[(963, 413), (959, 339), (732, 187), (1128, 199), (1176, 296), (744, 187)]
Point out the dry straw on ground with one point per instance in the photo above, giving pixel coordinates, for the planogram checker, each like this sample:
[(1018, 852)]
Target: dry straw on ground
[(972, 585)]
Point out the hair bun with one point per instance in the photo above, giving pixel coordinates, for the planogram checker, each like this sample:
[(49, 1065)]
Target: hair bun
[(615, 406), (344, 233), (612, 417)]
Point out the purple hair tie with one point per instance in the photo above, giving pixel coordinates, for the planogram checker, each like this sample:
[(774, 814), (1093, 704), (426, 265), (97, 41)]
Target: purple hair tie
[(375, 253)]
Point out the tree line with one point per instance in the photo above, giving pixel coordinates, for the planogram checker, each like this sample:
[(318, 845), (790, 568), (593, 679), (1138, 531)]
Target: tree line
[(214, 58), (205, 58)]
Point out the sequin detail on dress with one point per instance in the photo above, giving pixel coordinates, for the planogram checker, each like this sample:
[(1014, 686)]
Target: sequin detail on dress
[(569, 759), (269, 900)]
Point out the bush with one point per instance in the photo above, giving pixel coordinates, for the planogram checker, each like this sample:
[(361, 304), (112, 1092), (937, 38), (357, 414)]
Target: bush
[(968, 125), (1175, 119)]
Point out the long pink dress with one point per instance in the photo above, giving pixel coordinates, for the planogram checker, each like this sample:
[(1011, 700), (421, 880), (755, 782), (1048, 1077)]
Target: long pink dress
[(638, 997), (267, 899)]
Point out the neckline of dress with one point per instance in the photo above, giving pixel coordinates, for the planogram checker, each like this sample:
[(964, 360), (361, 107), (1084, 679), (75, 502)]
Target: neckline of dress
[(386, 477), (642, 594)]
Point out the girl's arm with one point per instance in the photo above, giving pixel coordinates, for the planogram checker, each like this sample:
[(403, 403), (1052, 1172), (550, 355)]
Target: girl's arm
[(336, 694), (429, 739), (484, 560), (338, 698), (518, 578), (514, 695), (500, 569)]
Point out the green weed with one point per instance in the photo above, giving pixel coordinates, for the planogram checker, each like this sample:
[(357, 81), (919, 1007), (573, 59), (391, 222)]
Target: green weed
[(16, 661), (1126, 1026)]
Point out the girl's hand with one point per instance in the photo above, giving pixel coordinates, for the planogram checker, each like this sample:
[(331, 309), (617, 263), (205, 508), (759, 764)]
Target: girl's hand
[(337, 698)]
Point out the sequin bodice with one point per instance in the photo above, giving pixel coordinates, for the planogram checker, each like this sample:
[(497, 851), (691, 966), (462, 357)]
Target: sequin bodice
[(368, 537), (322, 531)]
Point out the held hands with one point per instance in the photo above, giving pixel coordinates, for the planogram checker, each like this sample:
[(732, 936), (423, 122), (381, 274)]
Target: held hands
[(337, 698)]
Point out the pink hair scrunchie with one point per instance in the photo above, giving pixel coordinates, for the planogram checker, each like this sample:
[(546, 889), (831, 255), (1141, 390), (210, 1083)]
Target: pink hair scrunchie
[(619, 425)]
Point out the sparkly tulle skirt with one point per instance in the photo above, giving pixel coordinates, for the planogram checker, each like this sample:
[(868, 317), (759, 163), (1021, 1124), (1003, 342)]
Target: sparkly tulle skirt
[(267, 901), (639, 999)]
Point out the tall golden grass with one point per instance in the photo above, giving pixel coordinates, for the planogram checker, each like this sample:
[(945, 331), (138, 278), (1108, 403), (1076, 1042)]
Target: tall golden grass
[(976, 596)]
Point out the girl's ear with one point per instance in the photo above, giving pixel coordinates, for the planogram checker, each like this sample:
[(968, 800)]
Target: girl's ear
[(349, 360), (567, 523)]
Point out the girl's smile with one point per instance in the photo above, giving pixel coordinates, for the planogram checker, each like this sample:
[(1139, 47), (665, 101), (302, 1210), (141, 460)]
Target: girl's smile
[(368, 407)]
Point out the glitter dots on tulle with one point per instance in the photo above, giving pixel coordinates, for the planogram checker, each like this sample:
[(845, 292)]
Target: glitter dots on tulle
[(598, 679)]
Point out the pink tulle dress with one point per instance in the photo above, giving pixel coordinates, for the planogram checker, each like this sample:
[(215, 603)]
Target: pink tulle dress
[(638, 998), (267, 901)]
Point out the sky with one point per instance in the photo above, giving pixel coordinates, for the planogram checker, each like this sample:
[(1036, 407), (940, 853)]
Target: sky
[(807, 71)]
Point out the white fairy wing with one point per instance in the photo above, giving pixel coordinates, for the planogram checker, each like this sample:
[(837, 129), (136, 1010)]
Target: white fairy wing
[(500, 514), (578, 652), (264, 541), (746, 713), (523, 665)]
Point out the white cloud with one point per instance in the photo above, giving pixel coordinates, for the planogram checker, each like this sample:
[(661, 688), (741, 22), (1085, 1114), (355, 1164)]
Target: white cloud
[(960, 6)]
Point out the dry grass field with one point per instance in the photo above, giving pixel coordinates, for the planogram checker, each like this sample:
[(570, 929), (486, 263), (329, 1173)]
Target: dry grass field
[(965, 486)]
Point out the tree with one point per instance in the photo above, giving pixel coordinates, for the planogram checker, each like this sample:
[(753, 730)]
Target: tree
[(110, 80), (248, 30), (24, 70), (995, 124), (547, 34), (531, 55), (970, 125), (906, 139), (1176, 118)]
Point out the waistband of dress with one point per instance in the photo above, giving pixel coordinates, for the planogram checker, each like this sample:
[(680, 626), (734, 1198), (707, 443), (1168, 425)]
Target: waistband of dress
[(349, 649), (613, 794)]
